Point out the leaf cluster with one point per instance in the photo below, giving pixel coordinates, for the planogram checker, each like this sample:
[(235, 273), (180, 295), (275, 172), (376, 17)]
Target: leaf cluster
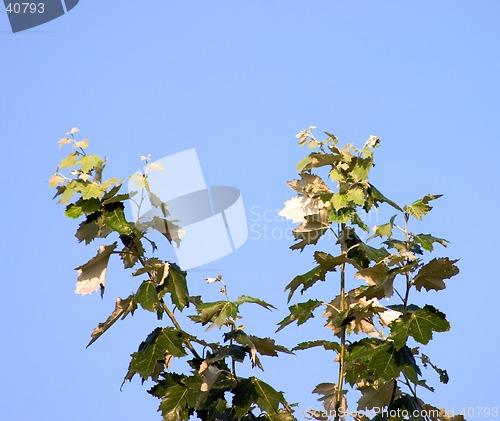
[(212, 389), (377, 346)]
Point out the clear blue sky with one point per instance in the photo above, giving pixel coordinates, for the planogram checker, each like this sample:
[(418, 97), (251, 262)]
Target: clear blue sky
[(237, 81)]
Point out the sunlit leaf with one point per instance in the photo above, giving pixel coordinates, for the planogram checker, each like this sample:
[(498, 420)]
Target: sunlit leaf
[(64, 141), (421, 207), (55, 180), (92, 275), (254, 391), (114, 218), (419, 324), (300, 313), (246, 299), (431, 275), (177, 287), (123, 307), (88, 162), (147, 296), (327, 345), (153, 349), (156, 166), (83, 144), (427, 241), (306, 280), (174, 406), (69, 161)]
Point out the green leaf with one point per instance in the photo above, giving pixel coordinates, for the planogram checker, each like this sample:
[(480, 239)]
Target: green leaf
[(281, 415), (81, 206), (168, 380), (431, 275), (384, 230), (300, 313), (268, 346), (339, 201), (421, 207), (306, 280), (216, 313), (114, 218), (328, 262), (88, 230), (427, 241), (362, 168), (327, 345), (177, 287), (153, 349), (111, 194), (89, 189), (443, 374), (174, 404), (147, 297), (254, 391), (69, 191), (376, 196), (106, 184), (356, 196), (132, 251), (316, 160), (69, 161), (371, 359), (372, 253), (359, 222), (122, 308), (118, 197), (376, 397), (89, 162), (246, 299), (150, 265), (196, 398), (409, 404), (341, 216), (236, 352), (419, 324), (73, 211)]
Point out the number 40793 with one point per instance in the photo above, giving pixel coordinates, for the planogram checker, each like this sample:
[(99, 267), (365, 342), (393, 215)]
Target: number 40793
[(23, 8)]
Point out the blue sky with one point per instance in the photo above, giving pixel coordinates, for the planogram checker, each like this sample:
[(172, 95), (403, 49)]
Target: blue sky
[(237, 81)]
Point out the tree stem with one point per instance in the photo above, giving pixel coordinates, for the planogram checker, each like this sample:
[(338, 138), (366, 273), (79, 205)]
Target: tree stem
[(338, 394)]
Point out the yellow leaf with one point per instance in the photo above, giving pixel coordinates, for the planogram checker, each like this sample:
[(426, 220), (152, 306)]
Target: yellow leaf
[(155, 166), (139, 180), (64, 141), (82, 144), (73, 131), (55, 180)]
